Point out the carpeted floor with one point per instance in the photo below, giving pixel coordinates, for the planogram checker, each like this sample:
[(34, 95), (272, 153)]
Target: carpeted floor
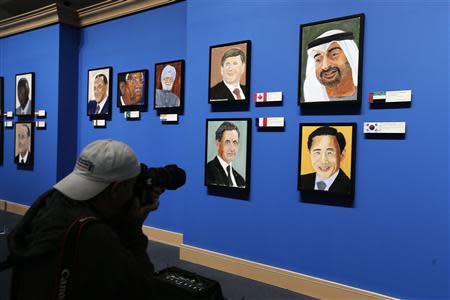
[(163, 256)]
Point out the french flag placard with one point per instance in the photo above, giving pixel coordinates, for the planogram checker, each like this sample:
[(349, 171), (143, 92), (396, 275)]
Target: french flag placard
[(268, 97), (271, 122)]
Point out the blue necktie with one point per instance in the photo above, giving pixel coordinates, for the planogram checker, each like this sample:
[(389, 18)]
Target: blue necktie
[(321, 185)]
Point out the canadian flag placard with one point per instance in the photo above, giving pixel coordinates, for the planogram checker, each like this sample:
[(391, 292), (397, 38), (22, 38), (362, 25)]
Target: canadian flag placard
[(268, 97), (271, 122)]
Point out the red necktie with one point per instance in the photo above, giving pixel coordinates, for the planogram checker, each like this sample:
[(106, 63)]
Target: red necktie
[(237, 92)]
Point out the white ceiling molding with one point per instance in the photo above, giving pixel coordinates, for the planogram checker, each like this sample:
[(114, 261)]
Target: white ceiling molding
[(55, 13)]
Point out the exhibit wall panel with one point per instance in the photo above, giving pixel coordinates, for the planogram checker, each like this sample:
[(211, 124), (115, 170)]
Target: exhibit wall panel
[(134, 43), (395, 240), (33, 51)]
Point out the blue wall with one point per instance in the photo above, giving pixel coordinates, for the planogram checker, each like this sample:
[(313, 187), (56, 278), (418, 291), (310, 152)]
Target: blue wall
[(135, 43), (394, 241), (35, 51)]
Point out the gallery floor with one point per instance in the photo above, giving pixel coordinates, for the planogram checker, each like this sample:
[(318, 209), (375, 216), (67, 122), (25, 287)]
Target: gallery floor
[(233, 287)]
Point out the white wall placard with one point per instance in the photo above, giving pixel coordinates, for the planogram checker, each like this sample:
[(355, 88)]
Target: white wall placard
[(168, 117), (271, 122), (99, 123), (268, 97), (385, 127), (132, 114)]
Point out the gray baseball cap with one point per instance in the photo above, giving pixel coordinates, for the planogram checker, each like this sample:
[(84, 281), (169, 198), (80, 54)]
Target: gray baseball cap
[(100, 163)]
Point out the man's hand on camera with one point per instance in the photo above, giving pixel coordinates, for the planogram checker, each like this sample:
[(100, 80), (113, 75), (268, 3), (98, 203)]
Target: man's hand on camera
[(139, 212)]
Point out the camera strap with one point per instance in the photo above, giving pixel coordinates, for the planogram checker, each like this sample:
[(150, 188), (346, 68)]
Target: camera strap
[(69, 254)]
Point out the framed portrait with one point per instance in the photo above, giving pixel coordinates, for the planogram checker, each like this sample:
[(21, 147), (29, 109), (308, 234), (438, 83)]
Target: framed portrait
[(24, 94), (327, 158), (2, 102), (132, 90), (23, 143), (169, 85), (1, 143), (227, 153), (229, 73), (99, 93), (330, 64)]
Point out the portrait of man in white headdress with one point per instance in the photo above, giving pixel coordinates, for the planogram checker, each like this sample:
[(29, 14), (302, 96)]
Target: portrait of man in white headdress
[(332, 66)]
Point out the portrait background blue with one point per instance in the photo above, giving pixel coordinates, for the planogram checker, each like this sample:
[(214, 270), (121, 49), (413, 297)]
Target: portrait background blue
[(394, 241)]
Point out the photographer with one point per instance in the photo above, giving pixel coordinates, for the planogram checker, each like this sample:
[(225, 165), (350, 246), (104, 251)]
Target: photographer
[(109, 258)]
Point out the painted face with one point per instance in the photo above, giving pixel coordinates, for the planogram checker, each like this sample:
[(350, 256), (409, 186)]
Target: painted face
[(332, 66), (325, 155), (23, 139), (135, 87), (228, 146), (167, 83), (99, 89), (22, 94), (232, 70)]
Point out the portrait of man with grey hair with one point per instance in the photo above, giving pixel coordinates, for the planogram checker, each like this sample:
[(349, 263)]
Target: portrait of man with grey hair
[(229, 72), (227, 155), (169, 84), (332, 68)]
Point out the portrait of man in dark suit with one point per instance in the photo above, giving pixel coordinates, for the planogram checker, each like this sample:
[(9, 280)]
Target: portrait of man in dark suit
[(23, 155), (99, 100), (220, 170), (24, 94), (326, 149), (228, 72)]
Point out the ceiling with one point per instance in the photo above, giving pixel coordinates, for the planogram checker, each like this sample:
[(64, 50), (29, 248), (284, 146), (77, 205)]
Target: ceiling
[(11, 8)]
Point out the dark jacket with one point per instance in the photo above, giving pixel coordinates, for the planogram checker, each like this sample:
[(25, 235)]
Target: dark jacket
[(341, 185), (220, 92), (92, 107), (215, 174), (112, 262)]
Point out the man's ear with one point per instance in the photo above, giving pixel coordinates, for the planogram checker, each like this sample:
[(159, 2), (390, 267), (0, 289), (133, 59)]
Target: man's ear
[(122, 87), (217, 145), (342, 156)]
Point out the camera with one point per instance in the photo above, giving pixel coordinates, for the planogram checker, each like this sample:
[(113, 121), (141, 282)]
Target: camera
[(169, 177)]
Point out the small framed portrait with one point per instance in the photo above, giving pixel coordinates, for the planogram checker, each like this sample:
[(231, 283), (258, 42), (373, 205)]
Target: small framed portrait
[(169, 85), (23, 143), (2, 102), (24, 94), (132, 90), (326, 158), (99, 93), (1, 143), (229, 73), (331, 61), (227, 153)]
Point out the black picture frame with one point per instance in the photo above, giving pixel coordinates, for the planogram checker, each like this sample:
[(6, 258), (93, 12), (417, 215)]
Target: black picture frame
[(2, 96), (140, 104), (174, 98), (320, 155), (26, 81), (2, 138), (240, 159), (17, 142), (342, 39), (218, 92), (99, 78)]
